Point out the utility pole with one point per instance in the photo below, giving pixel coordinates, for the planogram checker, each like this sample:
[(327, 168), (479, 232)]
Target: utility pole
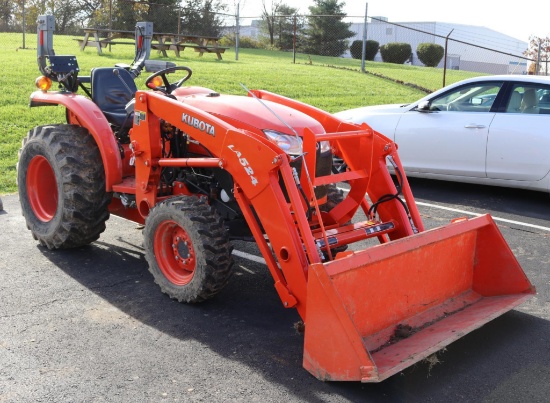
[(237, 35), (294, 42), (24, 18), (445, 60), (537, 69), (364, 51)]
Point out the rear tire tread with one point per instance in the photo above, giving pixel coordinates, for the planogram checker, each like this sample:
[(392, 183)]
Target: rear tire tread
[(83, 209)]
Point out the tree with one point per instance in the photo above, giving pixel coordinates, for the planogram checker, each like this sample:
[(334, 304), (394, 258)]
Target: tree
[(269, 17), (66, 14), (124, 16), (163, 14), (96, 13), (371, 49), (278, 23), (539, 52), (395, 52), (6, 14), (69, 15), (356, 49), (327, 34), (201, 17), (284, 27), (430, 53), (33, 8)]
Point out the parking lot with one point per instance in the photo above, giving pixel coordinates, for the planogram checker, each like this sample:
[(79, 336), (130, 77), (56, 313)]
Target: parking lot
[(91, 325)]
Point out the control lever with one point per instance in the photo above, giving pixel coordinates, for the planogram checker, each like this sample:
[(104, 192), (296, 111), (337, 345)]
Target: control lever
[(117, 73)]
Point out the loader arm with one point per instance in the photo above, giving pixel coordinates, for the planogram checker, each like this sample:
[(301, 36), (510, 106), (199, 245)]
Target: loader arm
[(257, 166), (369, 313), (354, 151)]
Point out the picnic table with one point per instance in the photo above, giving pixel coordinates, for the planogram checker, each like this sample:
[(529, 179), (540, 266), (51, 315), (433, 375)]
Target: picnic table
[(200, 43), (101, 38)]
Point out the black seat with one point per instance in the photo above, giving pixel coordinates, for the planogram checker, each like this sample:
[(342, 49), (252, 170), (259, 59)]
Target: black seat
[(112, 89)]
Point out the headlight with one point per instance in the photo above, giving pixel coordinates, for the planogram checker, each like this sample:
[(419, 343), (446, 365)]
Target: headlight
[(289, 144)]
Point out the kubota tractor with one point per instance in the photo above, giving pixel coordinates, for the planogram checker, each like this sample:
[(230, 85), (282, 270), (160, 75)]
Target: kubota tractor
[(199, 168)]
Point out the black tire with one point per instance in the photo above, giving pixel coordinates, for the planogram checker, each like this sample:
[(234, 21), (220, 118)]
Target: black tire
[(61, 183), (188, 249)]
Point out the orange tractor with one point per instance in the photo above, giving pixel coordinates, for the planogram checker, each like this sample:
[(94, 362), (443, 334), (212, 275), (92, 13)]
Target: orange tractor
[(376, 291)]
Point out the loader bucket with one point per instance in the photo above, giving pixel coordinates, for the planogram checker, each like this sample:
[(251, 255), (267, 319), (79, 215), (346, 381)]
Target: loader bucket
[(373, 313)]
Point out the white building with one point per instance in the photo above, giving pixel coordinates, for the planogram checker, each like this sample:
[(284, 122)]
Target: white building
[(461, 55)]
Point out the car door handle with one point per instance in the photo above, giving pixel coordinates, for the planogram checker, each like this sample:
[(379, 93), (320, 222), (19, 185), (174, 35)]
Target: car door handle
[(473, 126)]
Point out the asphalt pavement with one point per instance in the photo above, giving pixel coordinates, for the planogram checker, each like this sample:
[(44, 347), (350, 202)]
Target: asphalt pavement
[(90, 324)]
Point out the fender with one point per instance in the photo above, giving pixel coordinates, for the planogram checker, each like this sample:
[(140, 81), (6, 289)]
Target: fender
[(86, 114)]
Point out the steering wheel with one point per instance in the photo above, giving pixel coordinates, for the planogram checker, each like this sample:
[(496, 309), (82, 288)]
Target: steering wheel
[(154, 83), (452, 107)]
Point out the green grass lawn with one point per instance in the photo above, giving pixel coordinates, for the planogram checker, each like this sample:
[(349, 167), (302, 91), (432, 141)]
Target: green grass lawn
[(329, 83)]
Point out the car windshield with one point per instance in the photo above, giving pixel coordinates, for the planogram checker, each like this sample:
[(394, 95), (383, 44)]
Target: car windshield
[(477, 97)]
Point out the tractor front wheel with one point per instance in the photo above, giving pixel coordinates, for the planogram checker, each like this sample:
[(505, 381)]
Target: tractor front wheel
[(187, 248), (61, 184)]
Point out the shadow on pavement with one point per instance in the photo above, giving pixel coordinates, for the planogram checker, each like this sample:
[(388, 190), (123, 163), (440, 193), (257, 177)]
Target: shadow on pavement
[(506, 360), (247, 323)]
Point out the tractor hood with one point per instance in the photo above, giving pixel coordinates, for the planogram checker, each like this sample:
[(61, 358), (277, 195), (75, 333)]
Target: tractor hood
[(253, 115)]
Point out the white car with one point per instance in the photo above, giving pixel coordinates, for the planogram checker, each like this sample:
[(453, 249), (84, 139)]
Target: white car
[(492, 130)]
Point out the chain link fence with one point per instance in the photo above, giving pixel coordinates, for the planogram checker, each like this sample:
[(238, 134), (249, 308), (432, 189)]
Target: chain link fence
[(323, 39), (464, 49)]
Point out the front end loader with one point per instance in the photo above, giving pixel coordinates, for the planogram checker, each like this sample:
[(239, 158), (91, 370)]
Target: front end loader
[(375, 290)]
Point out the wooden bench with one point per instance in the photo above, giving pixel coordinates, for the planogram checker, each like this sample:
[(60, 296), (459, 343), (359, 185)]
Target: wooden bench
[(201, 43), (218, 50), (162, 48), (133, 43), (92, 37), (83, 43), (180, 47), (102, 43)]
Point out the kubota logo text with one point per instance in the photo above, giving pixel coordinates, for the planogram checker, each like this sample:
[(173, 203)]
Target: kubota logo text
[(198, 124)]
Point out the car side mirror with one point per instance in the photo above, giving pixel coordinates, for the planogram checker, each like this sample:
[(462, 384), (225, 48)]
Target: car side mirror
[(423, 106)]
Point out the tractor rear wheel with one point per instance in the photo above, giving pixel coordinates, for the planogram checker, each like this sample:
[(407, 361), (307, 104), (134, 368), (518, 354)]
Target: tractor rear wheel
[(188, 249), (61, 184)]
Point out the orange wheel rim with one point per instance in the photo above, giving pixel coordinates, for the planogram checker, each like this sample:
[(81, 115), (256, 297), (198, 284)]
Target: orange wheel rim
[(174, 253), (42, 188)]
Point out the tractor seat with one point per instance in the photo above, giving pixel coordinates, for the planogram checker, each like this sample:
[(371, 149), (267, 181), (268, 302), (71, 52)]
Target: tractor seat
[(110, 93)]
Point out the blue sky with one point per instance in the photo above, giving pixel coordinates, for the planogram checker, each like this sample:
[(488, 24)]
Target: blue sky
[(507, 17)]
